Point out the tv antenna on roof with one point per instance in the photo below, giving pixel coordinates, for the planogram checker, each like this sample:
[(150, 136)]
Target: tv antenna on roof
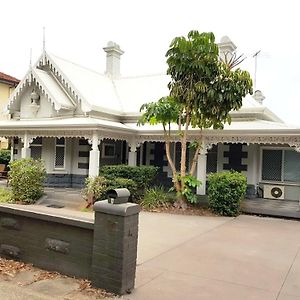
[(255, 55)]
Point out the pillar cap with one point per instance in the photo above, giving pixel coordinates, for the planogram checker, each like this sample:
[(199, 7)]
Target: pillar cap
[(124, 209)]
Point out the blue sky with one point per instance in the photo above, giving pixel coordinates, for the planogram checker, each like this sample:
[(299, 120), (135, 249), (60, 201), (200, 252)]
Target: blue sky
[(78, 30)]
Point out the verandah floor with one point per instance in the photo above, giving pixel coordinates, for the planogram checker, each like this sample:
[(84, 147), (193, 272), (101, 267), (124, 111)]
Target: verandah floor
[(272, 207)]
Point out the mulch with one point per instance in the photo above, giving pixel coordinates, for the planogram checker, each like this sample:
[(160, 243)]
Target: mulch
[(191, 210), (10, 268)]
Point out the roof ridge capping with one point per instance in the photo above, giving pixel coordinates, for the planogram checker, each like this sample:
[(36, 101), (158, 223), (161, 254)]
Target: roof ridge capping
[(75, 64)]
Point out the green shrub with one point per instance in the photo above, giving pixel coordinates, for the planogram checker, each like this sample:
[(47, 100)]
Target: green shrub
[(5, 196), (4, 156), (156, 197), (95, 187), (226, 190), (129, 184), (143, 176), (26, 177), (191, 183)]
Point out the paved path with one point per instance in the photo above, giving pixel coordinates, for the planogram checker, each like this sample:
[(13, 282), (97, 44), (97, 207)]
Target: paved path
[(191, 257)]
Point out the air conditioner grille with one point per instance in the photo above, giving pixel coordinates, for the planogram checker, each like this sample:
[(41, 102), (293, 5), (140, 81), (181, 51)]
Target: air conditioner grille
[(276, 192), (273, 191)]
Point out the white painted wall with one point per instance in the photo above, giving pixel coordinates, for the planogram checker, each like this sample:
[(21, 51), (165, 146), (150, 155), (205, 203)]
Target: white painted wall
[(18, 147), (221, 159), (149, 157), (46, 109), (245, 161), (76, 159), (253, 164), (48, 156)]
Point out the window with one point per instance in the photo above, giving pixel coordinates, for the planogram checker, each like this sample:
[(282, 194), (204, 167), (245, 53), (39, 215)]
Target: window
[(60, 153), (83, 142), (291, 166), (108, 150), (281, 165), (36, 148), (212, 160)]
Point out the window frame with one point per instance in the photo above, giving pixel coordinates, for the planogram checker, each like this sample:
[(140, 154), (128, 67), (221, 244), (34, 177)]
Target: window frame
[(282, 181), (105, 144), (60, 146), (37, 145)]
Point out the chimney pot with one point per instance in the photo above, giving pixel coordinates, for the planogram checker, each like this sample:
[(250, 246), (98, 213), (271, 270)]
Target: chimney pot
[(258, 96), (226, 48)]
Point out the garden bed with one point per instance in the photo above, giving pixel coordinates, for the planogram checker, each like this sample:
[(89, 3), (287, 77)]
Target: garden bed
[(193, 210)]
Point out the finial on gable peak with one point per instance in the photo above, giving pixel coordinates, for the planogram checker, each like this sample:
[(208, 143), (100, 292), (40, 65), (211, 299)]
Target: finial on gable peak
[(44, 39), (44, 46), (30, 58)]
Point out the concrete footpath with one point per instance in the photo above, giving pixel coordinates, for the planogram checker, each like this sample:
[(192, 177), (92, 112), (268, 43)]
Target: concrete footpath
[(192, 257)]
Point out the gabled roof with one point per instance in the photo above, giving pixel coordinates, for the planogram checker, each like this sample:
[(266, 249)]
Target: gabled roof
[(121, 97), (52, 90), (49, 87), (9, 79), (124, 96), (96, 91)]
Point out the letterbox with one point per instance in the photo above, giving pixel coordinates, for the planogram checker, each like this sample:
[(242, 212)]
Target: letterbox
[(118, 196)]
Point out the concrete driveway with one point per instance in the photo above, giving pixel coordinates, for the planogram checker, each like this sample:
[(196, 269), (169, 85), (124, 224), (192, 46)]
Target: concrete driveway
[(191, 257)]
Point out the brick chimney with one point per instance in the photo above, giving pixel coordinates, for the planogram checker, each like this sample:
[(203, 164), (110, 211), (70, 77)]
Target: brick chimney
[(113, 55)]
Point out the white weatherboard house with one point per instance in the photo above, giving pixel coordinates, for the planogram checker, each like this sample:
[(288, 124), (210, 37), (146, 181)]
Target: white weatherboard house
[(77, 120)]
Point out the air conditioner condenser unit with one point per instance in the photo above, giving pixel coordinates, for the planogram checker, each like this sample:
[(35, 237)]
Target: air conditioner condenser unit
[(273, 191)]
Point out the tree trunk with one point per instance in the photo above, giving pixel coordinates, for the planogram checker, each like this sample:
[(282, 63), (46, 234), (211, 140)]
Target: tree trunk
[(182, 201), (172, 166), (195, 159)]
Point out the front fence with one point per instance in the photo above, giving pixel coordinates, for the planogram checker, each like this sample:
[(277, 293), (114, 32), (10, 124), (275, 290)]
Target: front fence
[(102, 249)]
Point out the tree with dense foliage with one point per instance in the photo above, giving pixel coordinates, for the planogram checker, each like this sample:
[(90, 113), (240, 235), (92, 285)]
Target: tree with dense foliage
[(203, 90)]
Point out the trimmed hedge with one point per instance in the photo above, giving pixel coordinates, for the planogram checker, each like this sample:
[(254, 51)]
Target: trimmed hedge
[(226, 190), (4, 156), (96, 187), (123, 183), (135, 179), (143, 176), (26, 178)]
